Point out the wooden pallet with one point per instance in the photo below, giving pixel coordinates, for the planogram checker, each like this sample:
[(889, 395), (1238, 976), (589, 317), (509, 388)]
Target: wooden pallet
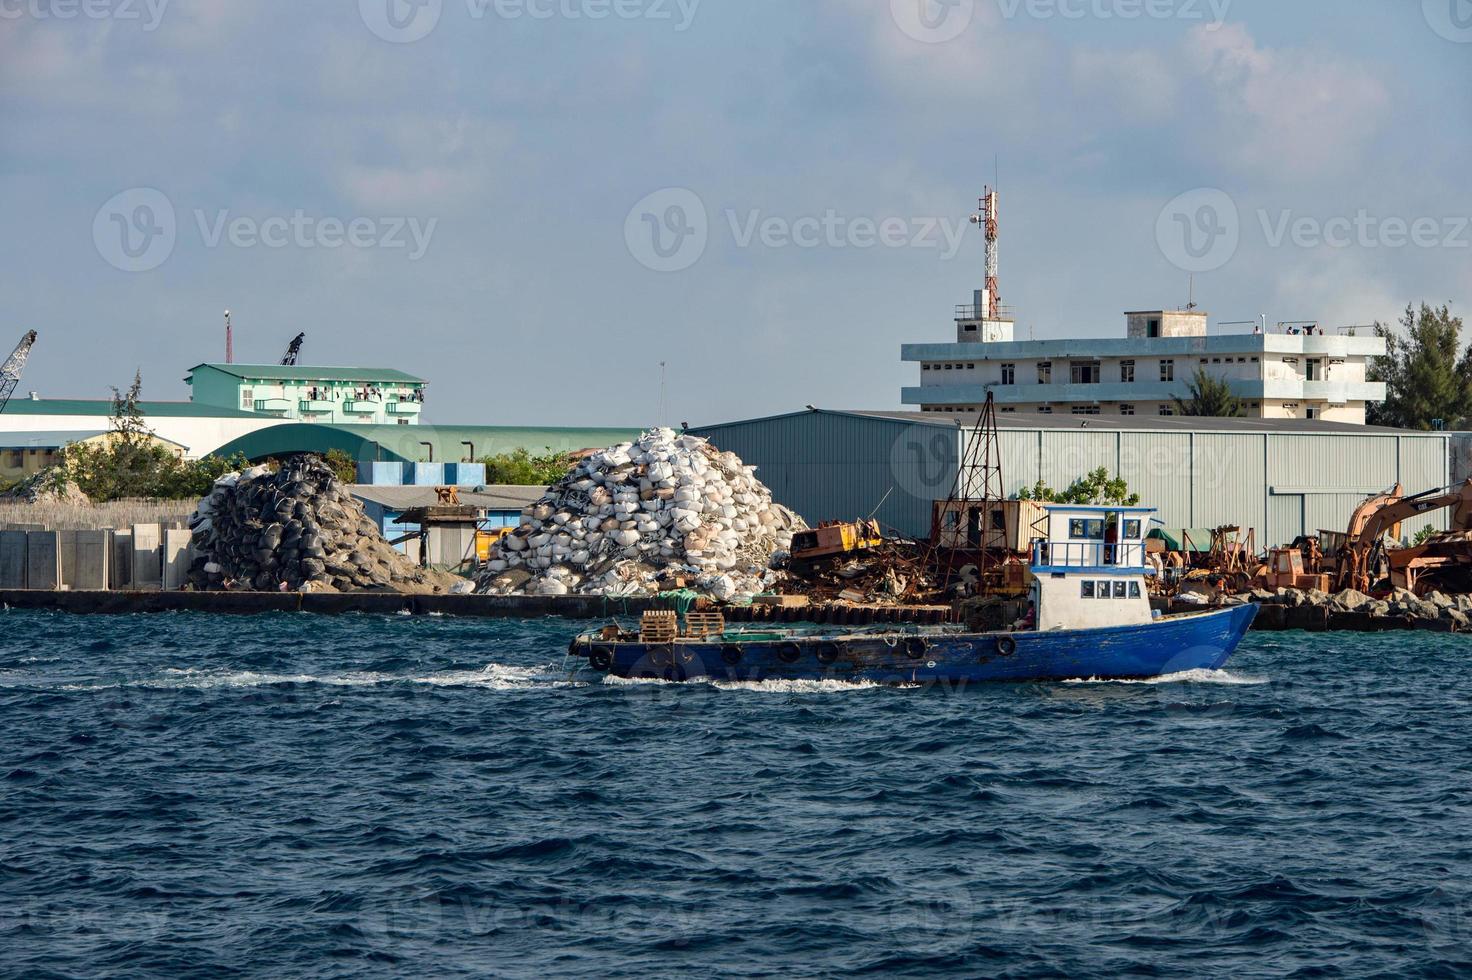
[(659, 626), (703, 624)]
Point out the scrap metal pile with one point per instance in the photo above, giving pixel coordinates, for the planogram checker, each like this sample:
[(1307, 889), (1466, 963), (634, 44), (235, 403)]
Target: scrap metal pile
[(897, 572), (296, 529), (666, 512)]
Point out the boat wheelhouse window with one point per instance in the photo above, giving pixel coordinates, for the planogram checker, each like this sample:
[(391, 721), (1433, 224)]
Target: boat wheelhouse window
[(1132, 530), (1086, 530), (1119, 590), (1088, 590), (1134, 590), (1103, 590)]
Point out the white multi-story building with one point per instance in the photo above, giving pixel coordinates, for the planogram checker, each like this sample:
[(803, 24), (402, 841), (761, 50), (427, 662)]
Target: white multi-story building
[(1291, 371)]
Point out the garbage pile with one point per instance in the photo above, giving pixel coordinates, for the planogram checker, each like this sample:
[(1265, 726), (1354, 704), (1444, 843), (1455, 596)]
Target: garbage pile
[(669, 511), (296, 529), (896, 573)]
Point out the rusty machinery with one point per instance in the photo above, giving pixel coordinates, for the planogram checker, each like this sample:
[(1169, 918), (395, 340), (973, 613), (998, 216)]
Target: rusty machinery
[(1364, 541)]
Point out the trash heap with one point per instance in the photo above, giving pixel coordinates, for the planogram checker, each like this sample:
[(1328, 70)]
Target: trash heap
[(669, 511), (296, 529)]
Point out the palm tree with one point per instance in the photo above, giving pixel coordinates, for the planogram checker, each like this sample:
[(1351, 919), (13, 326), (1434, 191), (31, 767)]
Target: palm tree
[(1210, 397)]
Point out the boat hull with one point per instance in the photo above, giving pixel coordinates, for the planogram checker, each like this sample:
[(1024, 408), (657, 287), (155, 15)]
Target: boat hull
[(1171, 645)]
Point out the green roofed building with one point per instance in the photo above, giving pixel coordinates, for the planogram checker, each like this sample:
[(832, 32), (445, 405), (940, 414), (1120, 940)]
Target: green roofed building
[(309, 393), (420, 444)]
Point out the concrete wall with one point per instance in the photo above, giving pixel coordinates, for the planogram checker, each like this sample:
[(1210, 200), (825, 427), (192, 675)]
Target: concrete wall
[(43, 559), (12, 559), (147, 557)]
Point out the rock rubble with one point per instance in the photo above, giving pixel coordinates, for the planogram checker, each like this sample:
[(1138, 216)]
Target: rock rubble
[(296, 529)]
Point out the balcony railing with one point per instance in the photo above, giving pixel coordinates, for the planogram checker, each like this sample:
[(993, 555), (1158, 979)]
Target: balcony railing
[(973, 312), (1088, 554)]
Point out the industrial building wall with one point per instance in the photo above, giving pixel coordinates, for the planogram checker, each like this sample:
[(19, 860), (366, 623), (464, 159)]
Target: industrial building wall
[(1279, 484), (830, 467)]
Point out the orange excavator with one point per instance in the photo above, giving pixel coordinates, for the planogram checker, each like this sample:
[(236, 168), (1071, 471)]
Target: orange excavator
[(1382, 514)]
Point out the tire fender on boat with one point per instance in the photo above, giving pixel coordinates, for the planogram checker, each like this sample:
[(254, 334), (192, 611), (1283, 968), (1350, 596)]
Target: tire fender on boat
[(916, 646), (732, 655), (829, 653), (1006, 646), (601, 658), (789, 653)]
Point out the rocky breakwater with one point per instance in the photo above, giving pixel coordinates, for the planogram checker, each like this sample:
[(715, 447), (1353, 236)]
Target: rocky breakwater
[(1452, 612), (297, 529), (668, 511)]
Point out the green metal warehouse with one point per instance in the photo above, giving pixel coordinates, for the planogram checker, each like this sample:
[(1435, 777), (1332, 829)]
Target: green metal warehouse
[(1281, 477)]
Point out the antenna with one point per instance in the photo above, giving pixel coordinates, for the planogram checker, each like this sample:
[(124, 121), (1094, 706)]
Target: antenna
[(1191, 303), (229, 341), (986, 217)]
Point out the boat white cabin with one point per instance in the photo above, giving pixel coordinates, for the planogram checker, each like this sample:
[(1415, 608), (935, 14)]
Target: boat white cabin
[(1090, 568)]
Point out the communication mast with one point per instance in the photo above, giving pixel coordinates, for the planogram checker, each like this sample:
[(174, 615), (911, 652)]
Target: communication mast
[(229, 341), (987, 219)]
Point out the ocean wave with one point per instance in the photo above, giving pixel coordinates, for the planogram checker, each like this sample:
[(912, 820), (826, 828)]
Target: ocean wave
[(491, 677), (1185, 677)]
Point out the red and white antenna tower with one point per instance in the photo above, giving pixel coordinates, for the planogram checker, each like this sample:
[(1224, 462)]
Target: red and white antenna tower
[(988, 220), (229, 341)]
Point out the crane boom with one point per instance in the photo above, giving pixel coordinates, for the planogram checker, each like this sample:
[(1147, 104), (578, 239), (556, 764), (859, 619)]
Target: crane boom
[(1383, 514), (293, 350), (14, 364)]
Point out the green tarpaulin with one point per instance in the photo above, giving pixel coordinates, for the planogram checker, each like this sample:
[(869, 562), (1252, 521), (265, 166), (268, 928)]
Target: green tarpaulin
[(1175, 538)]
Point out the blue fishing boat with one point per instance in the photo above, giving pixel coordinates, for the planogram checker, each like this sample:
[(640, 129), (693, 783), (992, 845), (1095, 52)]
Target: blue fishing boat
[(1088, 616)]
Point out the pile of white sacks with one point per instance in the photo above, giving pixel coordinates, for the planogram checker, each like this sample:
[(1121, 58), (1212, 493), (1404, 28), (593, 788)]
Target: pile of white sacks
[(631, 519)]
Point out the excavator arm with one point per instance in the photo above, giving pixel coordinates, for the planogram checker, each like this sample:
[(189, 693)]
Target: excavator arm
[(1383, 514)]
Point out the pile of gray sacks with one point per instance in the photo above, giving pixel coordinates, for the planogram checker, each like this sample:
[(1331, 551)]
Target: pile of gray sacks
[(642, 517)]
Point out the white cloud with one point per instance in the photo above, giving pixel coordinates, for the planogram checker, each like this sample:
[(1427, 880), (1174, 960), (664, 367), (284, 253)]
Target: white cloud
[(1133, 86), (1290, 110)]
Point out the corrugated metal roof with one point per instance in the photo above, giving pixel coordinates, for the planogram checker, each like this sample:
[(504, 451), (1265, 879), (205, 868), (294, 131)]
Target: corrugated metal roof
[(494, 498), (310, 372), (103, 407), (54, 439), (1132, 423)]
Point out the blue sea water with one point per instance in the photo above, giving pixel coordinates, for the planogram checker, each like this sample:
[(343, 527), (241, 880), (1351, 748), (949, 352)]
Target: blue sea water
[(193, 795)]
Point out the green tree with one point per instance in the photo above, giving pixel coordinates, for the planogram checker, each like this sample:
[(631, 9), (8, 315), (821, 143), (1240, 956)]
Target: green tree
[(1210, 398), (343, 465), (1096, 488), (1423, 376), (520, 468)]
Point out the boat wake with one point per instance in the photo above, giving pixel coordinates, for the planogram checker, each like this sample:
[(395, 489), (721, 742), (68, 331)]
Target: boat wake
[(1185, 677), (495, 677), (775, 686)]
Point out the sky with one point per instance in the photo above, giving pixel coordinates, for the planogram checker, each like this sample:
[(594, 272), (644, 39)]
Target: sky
[(544, 207)]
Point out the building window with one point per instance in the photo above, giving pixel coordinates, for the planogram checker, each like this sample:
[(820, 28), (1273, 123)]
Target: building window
[(1153, 330), (1086, 410), (1167, 410), (1045, 372), (1084, 372), (1313, 370), (1126, 410), (950, 367), (1007, 410), (1127, 372), (1311, 413), (247, 402), (925, 367), (1046, 410), (971, 367), (1009, 374), (1167, 370)]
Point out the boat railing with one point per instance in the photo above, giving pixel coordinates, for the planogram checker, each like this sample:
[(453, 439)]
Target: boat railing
[(1088, 554)]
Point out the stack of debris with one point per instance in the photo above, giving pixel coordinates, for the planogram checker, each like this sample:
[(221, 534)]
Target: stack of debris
[(296, 529), (668, 511), (894, 573), (1400, 603)]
